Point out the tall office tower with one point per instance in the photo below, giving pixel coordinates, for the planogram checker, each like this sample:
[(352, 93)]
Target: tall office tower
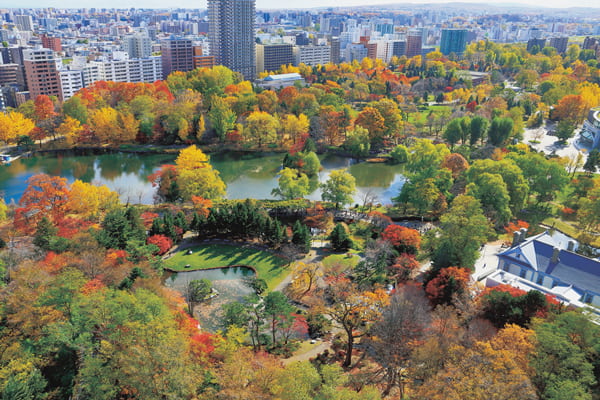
[(559, 43), (231, 35), (453, 41), (52, 43), (24, 22), (414, 44), (42, 74), (137, 46), (177, 55)]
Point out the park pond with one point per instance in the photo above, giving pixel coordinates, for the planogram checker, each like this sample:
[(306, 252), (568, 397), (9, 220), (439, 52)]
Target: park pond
[(229, 283), (247, 175)]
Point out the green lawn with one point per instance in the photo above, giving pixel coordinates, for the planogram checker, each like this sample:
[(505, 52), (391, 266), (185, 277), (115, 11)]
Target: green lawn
[(269, 267), (347, 261)]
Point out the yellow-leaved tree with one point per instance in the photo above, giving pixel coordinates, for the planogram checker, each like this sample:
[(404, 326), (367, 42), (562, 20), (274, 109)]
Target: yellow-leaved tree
[(13, 125), (196, 177), (91, 201)]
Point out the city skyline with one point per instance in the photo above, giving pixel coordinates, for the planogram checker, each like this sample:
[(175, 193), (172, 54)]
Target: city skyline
[(274, 4)]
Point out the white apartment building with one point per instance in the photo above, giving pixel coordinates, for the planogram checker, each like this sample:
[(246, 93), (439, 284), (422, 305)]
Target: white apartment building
[(312, 55)]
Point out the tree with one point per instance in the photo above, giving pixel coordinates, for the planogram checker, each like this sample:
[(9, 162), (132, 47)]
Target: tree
[(454, 132), (546, 177), (358, 142), (479, 126), (504, 304), (14, 125), (512, 175), (449, 283), (354, 311), (479, 372), (292, 184), (44, 233), (301, 236), (74, 108), (462, 231), (592, 162), (570, 108), (44, 196), (278, 310), (261, 128), (370, 119), (91, 201), (339, 188), (221, 118), (500, 130), (565, 130), (404, 240), (492, 193), (340, 241), (294, 127), (399, 154), (455, 163), (196, 177), (396, 334), (197, 291)]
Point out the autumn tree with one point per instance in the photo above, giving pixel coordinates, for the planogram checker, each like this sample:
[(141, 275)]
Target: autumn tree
[(370, 118), (392, 339), (13, 125), (404, 240), (91, 201), (354, 311), (196, 177), (221, 118), (44, 196), (261, 128)]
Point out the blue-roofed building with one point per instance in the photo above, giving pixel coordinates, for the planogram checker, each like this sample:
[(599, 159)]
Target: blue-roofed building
[(280, 81), (536, 263)]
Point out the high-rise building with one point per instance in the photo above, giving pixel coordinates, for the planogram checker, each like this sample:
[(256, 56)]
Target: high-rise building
[(177, 55), (414, 43), (137, 46), (559, 43), (453, 41), (271, 57), (52, 43), (42, 72), (24, 22), (536, 43), (231, 34)]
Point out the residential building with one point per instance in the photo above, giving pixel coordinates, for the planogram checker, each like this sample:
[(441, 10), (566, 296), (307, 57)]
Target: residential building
[(177, 55), (41, 69), (202, 61), (559, 43), (533, 43), (538, 263), (270, 57), (414, 44), (52, 43), (453, 41), (24, 22), (70, 82), (231, 34), (312, 55), (138, 46), (335, 50)]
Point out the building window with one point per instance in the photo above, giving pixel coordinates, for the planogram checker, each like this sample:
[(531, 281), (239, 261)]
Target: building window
[(523, 273), (587, 298)]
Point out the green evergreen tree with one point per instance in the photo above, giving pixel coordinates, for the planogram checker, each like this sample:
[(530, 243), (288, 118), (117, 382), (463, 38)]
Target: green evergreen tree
[(340, 241), (44, 234)]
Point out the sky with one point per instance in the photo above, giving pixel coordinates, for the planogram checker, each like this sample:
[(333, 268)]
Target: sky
[(272, 4)]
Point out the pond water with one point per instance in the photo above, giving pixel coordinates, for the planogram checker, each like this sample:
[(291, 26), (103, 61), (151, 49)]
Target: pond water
[(228, 282), (246, 175)]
